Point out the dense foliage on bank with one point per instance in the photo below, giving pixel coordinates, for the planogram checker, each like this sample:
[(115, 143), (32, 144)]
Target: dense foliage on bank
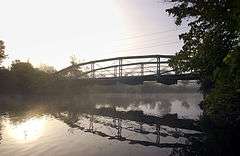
[(23, 78), (212, 49)]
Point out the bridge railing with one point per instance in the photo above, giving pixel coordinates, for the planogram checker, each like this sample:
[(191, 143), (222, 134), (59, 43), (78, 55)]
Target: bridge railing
[(119, 67)]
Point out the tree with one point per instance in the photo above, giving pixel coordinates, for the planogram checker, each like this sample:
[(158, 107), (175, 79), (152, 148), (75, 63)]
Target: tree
[(46, 68), (2, 50), (23, 73), (76, 71), (27, 79), (211, 48), (74, 60), (7, 81)]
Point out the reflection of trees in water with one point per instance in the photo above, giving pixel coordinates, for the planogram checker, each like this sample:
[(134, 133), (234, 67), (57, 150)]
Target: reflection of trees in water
[(185, 104), (164, 101), (120, 100), (72, 112), (165, 106)]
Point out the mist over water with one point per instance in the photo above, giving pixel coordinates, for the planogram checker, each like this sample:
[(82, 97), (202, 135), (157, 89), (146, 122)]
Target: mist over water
[(185, 105), (98, 124)]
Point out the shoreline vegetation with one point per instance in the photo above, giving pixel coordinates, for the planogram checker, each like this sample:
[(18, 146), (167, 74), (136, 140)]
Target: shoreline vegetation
[(23, 79)]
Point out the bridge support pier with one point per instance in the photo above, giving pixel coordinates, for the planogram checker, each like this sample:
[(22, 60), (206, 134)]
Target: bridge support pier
[(115, 71), (120, 68), (158, 138), (142, 69), (92, 69), (158, 67), (119, 128)]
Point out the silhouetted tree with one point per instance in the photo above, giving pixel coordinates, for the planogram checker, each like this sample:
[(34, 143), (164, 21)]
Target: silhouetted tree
[(27, 78), (76, 71), (23, 72), (74, 60), (7, 81), (46, 68)]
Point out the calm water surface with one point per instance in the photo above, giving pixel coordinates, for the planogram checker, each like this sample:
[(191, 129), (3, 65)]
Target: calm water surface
[(104, 124)]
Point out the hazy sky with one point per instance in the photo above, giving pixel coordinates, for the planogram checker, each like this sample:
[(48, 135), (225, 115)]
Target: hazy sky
[(50, 31)]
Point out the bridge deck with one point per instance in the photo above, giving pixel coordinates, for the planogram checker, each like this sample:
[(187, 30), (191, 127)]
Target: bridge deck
[(135, 80)]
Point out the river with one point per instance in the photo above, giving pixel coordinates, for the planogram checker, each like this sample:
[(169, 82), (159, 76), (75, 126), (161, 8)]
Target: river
[(99, 124)]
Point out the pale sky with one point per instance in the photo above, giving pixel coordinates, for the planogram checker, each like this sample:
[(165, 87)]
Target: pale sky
[(50, 31)]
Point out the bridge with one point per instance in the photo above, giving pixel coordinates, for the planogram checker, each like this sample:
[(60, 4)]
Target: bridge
[(129, 69)]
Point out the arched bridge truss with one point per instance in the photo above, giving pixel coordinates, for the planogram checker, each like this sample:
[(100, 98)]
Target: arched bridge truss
[(129, 68)]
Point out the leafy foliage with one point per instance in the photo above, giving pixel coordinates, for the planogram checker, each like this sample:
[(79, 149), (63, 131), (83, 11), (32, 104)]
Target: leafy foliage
[(212, 49), (23, 78), (26, 78)]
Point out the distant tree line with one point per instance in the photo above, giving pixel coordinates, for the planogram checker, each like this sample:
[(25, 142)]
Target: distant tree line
[(23, 78)]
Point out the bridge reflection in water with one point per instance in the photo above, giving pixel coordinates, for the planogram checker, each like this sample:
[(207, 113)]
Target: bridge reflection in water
[(133, 123), (100, 122), (129, 70)]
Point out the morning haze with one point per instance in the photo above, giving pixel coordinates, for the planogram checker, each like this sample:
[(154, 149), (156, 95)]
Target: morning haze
[(119, 77)]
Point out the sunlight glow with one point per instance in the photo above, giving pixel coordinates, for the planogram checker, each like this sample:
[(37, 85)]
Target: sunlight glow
[(27, 131), (89, 28), (49, 32)]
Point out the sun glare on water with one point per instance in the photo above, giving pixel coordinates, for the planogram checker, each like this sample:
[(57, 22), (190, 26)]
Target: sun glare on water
[(27, 131)]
